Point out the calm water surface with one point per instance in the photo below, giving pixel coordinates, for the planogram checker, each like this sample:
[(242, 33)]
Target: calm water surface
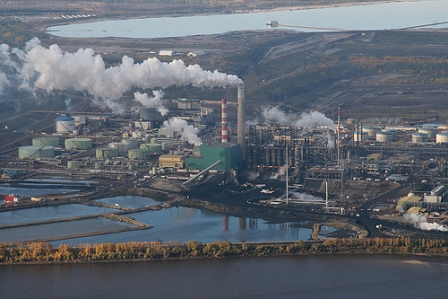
[(328, 276), (394, 15)]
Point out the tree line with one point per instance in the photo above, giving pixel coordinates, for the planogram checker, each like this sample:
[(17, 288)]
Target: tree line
[(42, 252)]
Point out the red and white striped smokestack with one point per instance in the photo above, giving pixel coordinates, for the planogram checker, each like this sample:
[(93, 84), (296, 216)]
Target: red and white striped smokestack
[(224, 130)]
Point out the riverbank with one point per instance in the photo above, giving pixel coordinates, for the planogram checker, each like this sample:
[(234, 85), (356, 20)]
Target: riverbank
[(136, 251)]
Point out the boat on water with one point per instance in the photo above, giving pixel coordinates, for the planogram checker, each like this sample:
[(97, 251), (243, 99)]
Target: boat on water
[(272, 23)]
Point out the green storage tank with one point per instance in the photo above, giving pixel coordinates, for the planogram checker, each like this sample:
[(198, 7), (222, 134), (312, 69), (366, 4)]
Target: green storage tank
[(106, 152), (78, 143), (33, 151), (50, 141), (139, 154)]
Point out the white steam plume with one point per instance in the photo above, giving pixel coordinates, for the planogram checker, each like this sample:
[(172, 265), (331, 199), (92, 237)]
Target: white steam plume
[(422, 223), (154, 102), (51, 68), (187, 132), (330, 141), (305, 197), (3, 82), (307, 120)]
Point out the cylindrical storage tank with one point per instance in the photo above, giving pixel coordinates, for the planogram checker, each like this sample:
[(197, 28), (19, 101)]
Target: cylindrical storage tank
[(139, 154), (36, 151), (442, 137), (154, 170), (392, 132), (133, 143), (65, 124), (360, 136), (72, 164), (431, 133), (106, 152), (419, 137), (78, 143), (153, 147), (371, 131), (384, 137), (49, 141), (123, 147)]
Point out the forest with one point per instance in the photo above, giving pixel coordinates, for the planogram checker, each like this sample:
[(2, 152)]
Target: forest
[(42, 252)]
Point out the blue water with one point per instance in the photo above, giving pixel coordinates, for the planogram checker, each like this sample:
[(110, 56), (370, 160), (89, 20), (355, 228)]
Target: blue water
[(393, 15)]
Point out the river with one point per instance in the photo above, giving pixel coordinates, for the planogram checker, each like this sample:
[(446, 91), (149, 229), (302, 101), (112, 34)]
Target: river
[(380, 16), (326, 276)]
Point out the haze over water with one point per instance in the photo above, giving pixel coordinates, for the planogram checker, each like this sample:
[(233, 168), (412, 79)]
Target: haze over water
[(390, 15)]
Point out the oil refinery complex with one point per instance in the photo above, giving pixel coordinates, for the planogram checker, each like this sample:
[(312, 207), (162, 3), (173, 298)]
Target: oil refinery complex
[(304, 162)]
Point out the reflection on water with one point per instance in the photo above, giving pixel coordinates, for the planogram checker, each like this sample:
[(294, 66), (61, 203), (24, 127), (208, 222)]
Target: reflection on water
[(174, 224)]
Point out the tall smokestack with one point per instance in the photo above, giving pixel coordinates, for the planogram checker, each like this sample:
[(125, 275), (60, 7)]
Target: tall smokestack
[(241, 121), (338, 143), (224, 131)]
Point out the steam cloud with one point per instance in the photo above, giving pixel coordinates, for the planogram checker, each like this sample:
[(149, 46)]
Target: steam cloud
[(305, 197), (51, 68), (422, 223), (306, 120), (154, 102), (187, 132)]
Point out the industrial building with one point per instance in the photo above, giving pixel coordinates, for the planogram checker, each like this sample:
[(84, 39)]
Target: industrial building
[(228, 154)]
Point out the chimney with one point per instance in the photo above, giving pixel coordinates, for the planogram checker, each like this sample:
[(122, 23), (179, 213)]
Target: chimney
[(224, 131), (241, 121)]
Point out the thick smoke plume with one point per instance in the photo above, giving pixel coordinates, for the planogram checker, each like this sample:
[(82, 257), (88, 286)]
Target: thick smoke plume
[(422, 223), (51, 69), (305, 120), (154, 102), (187, 132)]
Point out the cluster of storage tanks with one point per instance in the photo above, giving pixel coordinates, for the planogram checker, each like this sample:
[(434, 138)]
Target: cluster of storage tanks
[(423, 134)]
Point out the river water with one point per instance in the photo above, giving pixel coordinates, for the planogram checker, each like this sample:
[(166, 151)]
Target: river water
[(386, 15), (327, 276)]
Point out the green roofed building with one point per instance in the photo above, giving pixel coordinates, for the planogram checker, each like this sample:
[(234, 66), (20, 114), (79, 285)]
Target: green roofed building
[(229, 154)]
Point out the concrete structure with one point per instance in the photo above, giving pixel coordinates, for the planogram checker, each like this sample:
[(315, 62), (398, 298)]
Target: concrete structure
[(65, 125), (195, 53), (171, 161), (107, 152), (419, 137), (188, 104), (49, 141), (437, 195), (166, 53), (36, 151), (78, 143), (241, 120), (228, 153)]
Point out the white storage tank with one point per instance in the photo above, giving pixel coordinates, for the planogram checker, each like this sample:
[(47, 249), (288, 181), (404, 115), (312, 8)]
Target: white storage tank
[(65, 125), (428, 131), (392, 132), (419, 137), (371, 131), (442, 137), (33, 151), (360, 136), (78, 143), (384, 137)]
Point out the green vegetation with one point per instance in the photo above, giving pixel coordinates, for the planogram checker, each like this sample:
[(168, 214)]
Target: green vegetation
[(16, 34), (44, 253)]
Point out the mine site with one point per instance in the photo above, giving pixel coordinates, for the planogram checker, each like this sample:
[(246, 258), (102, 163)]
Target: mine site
[(336, 133)]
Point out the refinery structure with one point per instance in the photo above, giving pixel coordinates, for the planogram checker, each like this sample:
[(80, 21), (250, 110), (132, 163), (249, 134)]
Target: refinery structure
[(304, 161)]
